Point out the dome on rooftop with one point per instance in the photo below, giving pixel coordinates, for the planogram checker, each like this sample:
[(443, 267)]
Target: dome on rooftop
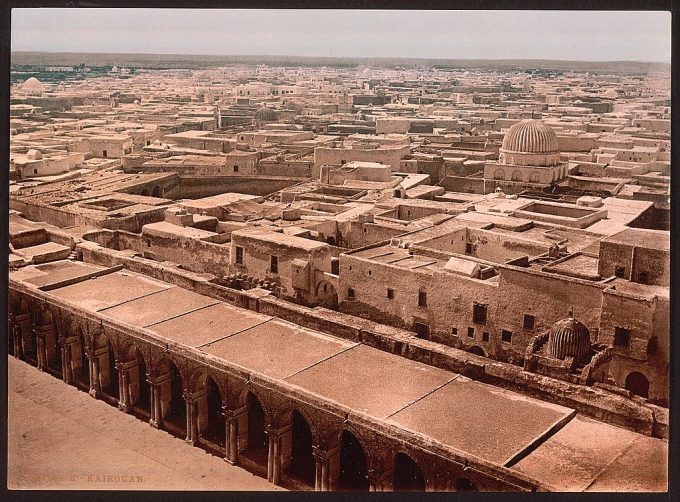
[(530, 143), (569, 338), (33, 84), (530, 136)]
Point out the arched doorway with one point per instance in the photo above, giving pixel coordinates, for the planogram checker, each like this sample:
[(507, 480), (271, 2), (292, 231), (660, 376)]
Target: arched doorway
[(302, 465), (143, 401), (176, 416), (638, 384), (477, 350), (53, 352), (157, 192), (29, 342), (353, 473), (215, 431), (109, 374), (407, 474), (81, 374), (258, 445), (464, 485)]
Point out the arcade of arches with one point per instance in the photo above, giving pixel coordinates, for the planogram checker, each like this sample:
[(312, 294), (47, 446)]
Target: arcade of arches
[(293, 443)]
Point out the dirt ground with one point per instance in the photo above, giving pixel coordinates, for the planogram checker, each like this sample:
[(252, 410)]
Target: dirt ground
[(61, 438)]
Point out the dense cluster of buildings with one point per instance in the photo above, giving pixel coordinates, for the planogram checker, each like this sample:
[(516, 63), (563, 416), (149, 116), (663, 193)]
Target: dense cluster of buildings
[(439, 243)]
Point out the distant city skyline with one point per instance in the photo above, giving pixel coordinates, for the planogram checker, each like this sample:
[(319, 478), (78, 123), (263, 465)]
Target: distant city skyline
[(560, 35)]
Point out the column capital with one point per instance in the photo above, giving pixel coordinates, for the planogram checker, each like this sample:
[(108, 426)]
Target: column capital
[(277, 431), (323, 454)]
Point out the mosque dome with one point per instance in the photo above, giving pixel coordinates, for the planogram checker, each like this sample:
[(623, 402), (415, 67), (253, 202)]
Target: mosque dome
[(530, 136), (531, 143), (569, 338), (265, 114)]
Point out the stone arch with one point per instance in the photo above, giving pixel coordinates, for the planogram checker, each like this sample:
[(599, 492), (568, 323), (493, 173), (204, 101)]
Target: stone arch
[(139, 389), (252, 431), (171, 382), (354, 461), (499, 174), (211, 397), (157, 191), (637, 384), (477, 350), (517, 175), (327, 295), (299, 462), (463, 484), (407, 475), (105, 350)]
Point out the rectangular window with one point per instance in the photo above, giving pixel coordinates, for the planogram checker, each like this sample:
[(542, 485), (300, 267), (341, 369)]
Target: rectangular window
[(471, 332), (350, 293), (335, 266), (479, 313), (390, 293), (454, 331), (529, 321), (422, 299), (506, 336), (619, 271), (485, 336), (104, 153), (235, 169), (468, 248), (239, 255), (621, 337), (274, 264)]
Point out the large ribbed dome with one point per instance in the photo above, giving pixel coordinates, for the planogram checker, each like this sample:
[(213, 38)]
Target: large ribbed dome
[(569, 338), (530, 136)]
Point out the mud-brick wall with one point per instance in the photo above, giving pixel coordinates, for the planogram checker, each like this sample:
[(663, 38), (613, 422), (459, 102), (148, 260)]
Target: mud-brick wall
[(549, 299), (52, 215), (355, 234), (646, 319), (193, 254), (194, 187), (450, 299)]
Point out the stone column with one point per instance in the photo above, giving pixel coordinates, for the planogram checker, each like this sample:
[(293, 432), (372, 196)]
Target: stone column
[(191, 400), (16, 339), (123, 384), (274, 457), (382, 481), (22, 321), (40, 347), (231, 438), (325, 479), (93, 363), (156, 419), (66, 358)]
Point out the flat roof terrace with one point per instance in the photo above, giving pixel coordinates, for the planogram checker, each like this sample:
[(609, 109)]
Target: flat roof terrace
[(441, 406)]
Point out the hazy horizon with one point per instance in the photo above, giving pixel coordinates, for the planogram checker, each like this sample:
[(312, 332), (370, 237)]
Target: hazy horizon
[(340, 57), (602, 36)]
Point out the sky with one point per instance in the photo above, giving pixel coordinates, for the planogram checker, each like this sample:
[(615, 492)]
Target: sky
[(566, 35)]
